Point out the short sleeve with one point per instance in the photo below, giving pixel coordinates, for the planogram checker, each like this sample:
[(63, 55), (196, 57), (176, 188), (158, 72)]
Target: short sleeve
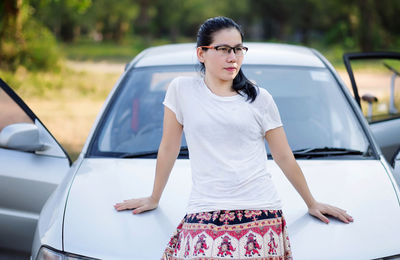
[(270, 117), (172, 99)]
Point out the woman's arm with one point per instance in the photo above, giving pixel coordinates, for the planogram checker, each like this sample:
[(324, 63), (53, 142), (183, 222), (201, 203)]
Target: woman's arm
[(167, 154), (283, 156)]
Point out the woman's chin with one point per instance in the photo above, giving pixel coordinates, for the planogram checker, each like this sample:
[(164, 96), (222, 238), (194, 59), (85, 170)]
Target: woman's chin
[(229, 76)]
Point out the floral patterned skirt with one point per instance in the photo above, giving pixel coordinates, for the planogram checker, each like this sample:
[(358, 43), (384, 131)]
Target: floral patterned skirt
[(234, 234)]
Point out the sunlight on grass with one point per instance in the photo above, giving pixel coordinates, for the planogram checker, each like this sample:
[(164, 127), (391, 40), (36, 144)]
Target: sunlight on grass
[(67, 83), (84, 51)]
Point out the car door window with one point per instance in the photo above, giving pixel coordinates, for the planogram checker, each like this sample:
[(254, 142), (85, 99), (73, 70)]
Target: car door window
[(11, 112), (377, 81)]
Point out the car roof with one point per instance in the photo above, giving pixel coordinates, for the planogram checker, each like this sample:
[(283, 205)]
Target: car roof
[(259, 53)]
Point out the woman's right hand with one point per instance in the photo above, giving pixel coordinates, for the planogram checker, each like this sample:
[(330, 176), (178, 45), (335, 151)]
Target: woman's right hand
[(138, 205), (167, 153)]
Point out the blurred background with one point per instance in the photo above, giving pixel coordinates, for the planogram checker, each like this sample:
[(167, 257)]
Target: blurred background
[(64, 56)]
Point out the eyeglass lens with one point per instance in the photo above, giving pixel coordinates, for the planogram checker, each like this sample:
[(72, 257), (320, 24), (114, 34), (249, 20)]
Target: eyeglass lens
[(226, 50)]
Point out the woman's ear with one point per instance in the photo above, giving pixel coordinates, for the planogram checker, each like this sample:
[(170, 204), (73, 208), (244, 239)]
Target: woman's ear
[(200, 54)]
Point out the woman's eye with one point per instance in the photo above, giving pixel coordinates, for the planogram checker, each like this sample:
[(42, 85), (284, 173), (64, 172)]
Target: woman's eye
[(223, 49), (238, 49)]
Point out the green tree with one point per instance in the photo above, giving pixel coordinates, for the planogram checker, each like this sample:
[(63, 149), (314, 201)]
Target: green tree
[(11, 38), (23, 40), (110, 20), (62, 17)]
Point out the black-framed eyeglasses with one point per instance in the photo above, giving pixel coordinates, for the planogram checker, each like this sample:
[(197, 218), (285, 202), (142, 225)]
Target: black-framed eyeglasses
[(225, 50)]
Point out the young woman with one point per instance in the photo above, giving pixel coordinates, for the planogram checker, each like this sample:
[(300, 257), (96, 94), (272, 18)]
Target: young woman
[(234, 210)]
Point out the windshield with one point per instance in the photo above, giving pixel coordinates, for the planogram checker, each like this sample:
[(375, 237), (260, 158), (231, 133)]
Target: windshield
[(314, 111)]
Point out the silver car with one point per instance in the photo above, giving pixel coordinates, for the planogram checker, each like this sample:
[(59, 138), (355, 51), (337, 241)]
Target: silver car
[(326, 129)]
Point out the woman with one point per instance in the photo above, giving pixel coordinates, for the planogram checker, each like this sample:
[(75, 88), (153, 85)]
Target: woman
[(234, 210)]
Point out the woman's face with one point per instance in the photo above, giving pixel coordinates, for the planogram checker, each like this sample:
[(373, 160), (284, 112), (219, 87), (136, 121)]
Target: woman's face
[(219, 66)]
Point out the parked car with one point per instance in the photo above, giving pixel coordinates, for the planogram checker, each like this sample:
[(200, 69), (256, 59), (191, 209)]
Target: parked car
[(326, 130)]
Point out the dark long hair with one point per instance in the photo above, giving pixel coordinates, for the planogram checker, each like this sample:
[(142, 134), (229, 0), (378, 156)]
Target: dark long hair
[(205, 38)]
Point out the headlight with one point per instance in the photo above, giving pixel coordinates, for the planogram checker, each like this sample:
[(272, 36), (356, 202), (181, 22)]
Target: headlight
[(46, 253)]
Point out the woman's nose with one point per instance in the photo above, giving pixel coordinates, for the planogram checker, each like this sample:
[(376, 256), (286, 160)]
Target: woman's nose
[(231, 56)]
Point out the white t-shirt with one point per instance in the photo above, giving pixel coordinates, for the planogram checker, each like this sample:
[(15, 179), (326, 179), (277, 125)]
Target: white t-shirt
[(225, 138)]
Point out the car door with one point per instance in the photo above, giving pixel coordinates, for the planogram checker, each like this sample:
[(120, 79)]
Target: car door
[(375, 80), (32, 164)]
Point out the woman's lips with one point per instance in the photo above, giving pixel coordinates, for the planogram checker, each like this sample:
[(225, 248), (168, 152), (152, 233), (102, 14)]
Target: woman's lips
[(231, 69)]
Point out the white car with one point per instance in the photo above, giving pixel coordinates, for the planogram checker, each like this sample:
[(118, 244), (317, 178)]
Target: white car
[(326, 130)]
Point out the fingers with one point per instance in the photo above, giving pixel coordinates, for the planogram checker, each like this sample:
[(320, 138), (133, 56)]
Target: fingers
[(337, 209), (345, 215), (319, 215), (128, 204), (339, 216), (338, 213), (138, 205), (324, 209), (120, 206), (346, 218), (150, 205), (140, 209), (349, 218)]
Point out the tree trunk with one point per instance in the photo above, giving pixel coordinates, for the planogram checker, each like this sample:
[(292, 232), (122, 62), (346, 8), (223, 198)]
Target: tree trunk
[(143, 21), (11, 37), (11, 19), (366, 25)]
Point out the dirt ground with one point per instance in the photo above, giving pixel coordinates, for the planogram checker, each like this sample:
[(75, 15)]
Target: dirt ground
[(70, 120)]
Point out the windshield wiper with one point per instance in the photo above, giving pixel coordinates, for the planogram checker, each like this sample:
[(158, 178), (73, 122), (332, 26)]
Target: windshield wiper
[(326, 151), (184, 152)]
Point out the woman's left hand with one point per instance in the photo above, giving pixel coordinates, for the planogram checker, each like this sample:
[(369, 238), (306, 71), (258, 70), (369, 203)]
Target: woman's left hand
[(318, 210)]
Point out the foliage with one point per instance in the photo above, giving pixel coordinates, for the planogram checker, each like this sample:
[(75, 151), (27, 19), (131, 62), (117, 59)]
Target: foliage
[(24, 38), (25, 41), (344, 24), (62, 17), (41, 50)]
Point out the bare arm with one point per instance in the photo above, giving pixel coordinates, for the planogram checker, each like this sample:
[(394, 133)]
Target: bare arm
[(167, 154), (284, 157)]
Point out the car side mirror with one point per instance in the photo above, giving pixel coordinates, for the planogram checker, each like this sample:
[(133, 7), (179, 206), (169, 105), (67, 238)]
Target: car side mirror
[(21, 137)]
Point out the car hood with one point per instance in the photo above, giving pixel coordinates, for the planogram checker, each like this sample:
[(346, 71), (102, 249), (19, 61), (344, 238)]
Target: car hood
[(92, 227)]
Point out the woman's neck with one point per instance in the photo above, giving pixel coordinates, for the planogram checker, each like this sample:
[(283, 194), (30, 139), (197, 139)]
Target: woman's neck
[(219, 87)]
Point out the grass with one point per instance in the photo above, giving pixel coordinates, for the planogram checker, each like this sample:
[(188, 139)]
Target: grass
[(65, 83), (87, 50)]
